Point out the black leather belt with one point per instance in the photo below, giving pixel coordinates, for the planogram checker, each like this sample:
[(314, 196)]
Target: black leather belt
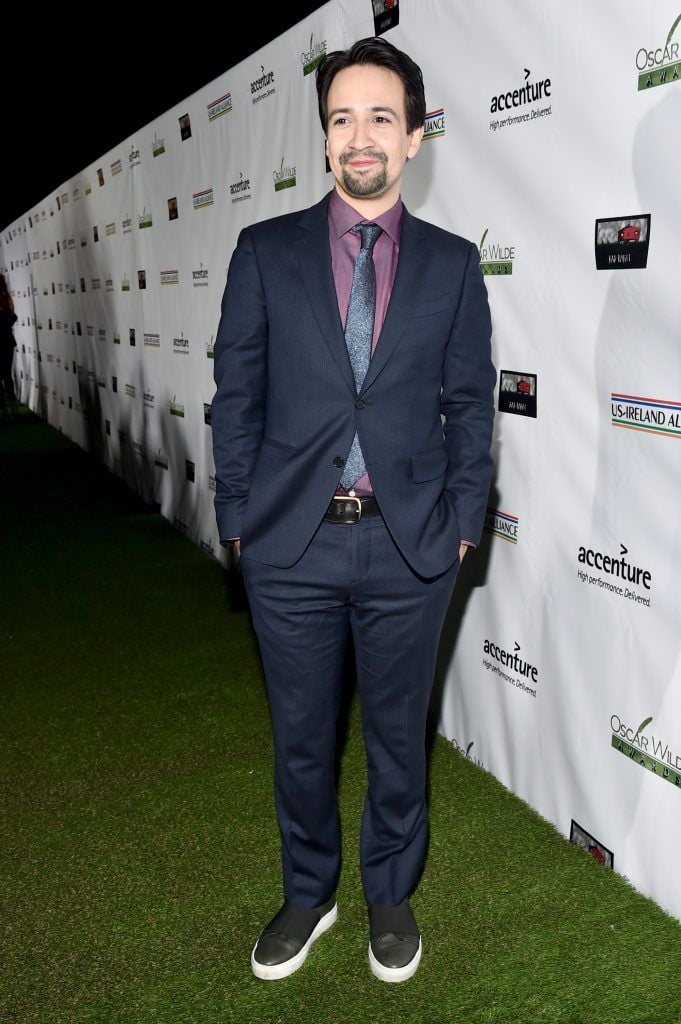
[(345, 508)]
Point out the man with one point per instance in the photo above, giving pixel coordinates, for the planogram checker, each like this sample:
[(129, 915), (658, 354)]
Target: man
[(351, 428)]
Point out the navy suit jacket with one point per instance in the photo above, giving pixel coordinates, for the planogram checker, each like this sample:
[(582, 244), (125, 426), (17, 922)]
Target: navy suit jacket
[(286, 407)]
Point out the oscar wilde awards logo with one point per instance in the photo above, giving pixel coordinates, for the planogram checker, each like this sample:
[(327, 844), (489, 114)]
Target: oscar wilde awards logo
[(649, 415), (285, 177), (659, 65), (496, 260), (622, 242), (515, 99), (646, 750), (313, 56), (525, 675), (465, 751), (615, 574)]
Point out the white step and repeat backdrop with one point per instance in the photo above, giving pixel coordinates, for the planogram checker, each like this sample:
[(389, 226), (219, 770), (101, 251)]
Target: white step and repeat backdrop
[(553, 142)]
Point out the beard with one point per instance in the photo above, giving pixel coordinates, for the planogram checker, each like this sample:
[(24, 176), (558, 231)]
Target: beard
[(362, 185)]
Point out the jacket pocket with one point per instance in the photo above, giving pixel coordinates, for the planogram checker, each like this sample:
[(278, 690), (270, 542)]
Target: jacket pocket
[(429, 465)]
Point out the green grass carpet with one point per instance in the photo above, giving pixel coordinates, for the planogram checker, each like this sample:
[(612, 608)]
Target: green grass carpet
[(139, 854)]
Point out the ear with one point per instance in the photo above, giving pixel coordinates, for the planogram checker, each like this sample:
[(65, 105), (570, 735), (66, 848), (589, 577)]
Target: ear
[(415, 141)]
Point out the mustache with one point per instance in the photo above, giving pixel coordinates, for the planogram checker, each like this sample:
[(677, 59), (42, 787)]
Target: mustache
[(345, 158)]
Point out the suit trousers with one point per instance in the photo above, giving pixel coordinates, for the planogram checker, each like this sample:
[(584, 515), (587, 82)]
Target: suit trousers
[(351, 579)]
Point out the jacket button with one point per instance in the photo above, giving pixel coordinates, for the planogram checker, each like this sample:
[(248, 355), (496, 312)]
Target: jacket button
[(359, 404), (338, 462)]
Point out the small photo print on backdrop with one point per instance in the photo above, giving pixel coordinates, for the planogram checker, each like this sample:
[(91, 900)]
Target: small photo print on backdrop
[(580, 837), (386, 15), (518, 393), (622, 242)]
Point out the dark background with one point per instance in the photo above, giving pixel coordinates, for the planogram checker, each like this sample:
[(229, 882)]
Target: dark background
[(77, 86)]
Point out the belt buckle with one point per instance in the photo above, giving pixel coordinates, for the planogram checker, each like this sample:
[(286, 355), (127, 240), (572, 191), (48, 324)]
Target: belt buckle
[(351, 497)]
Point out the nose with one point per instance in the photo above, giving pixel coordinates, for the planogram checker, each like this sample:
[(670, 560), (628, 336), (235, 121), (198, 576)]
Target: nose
[(361, 135)]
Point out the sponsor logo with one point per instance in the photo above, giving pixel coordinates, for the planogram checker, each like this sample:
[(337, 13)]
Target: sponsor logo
[(107, 423), (110, 229), (435, 124), (312, 57), (518, 393), (200, 277), (501, 524), (170, 277), (526, 675), (181, 345), (101, 383), (101, 334), (649, 415), (240, 190), (530, 92), (176, 408), (285, 177), (149, 399), (616, 567), (219, 107), (496, 259), (141, 279), (263, 86), (646, 750), (116, 338), (144, 219), (139, 451), (130, 390), (114, 385), (173, 212), (660, 65), (207, 412), (125, 284), (116, 167), (134, 157), (109, 284), (96, 284), (158, 146), (622, 242), (212, 486), (210, 348), (152, 340), (466, 750), (202, 199), (190, 470), (160, 459), (126, 225), (580, 837), (132, 337)]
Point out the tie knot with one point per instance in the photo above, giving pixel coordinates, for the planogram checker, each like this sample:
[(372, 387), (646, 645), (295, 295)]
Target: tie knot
[(369, 233)]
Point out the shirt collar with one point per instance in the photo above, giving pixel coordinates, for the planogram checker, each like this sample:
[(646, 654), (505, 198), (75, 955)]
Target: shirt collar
[(343, 217)]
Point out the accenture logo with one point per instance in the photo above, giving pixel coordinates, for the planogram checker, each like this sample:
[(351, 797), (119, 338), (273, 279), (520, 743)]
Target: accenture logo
[(614, 574), (516, 99)]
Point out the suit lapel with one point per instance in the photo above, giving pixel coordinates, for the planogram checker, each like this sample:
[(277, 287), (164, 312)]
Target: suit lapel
[(412, 265), (314, 258)]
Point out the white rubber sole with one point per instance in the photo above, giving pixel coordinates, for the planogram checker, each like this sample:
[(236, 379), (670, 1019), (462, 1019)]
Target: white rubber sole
[(395, 973), (277, 971)]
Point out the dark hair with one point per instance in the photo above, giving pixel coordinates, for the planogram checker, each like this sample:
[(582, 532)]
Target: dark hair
[(383, 54)]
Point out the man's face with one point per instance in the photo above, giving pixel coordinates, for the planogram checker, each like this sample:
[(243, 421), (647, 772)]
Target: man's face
[(367, 142)]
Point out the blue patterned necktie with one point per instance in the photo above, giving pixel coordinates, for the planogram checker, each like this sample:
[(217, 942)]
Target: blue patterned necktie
[(359, 334)]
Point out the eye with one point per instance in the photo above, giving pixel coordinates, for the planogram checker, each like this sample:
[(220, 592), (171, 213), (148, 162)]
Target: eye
[(382, 118), (340, 120)]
